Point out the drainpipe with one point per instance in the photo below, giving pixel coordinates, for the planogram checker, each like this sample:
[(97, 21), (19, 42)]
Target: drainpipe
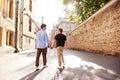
[(16, 26), (21, 24)]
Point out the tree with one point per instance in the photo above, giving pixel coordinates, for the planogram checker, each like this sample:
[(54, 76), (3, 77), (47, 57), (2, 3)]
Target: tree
[(83, 8)]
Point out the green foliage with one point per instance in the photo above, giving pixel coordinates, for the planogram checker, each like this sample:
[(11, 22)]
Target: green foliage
[(83, 8)]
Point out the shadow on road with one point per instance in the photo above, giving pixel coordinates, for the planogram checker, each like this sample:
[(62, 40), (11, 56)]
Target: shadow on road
[(88, 73), (108, 62), (32, 75)]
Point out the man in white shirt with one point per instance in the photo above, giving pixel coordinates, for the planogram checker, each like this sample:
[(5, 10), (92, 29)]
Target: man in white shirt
[(42, 42)]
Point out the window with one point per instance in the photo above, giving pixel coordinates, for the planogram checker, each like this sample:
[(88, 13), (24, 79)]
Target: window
[(30, 25), (29, 40), (11, 10), (30, 5), (5, 8), (9, 38)]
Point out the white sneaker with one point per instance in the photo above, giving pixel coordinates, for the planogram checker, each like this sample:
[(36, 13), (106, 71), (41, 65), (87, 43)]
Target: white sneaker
[(63, 65), (60, 67), (45, 66), (37, 68)]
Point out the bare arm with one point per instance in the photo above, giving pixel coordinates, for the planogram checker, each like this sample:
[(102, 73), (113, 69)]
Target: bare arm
[(66, 44), (53, 43)]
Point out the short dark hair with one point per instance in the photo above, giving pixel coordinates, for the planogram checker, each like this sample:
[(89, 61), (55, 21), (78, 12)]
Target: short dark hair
[(60, 29), (43, 25)]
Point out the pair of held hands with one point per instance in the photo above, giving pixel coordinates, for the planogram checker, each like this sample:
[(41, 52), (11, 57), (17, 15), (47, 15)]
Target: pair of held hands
[(51, 46)]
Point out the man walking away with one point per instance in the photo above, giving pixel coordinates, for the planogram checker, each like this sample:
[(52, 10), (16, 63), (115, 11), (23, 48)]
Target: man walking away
[(42, 42), (60, 39)]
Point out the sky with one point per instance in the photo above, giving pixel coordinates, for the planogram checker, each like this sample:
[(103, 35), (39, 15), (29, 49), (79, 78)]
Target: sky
[(50, 10)]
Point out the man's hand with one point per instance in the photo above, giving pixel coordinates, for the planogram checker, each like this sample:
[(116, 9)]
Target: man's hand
[(52, 43), (51, 47), (65, 47), (49, 44)]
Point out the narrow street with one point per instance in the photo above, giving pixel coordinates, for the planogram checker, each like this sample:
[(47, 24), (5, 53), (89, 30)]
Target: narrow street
[(89, 25), (79, 66)]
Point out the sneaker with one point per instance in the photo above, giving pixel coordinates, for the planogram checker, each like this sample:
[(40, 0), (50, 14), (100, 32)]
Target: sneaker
[(60, 67), (63, 65), (37, 68), (45, 66)]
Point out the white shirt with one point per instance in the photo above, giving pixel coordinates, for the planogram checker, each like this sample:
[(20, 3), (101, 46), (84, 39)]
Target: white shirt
[(41, 39)]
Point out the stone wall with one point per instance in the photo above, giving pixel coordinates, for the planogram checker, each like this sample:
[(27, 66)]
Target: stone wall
[(100, 33)]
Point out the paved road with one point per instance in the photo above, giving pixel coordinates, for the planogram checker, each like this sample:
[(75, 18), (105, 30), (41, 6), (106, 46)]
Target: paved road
[(15, 66), (20, 66), (79, 66), (90, 66)]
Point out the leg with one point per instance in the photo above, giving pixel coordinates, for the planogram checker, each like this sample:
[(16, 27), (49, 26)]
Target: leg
[(59, 57), (62, 58), (37, 57), (44, 53)]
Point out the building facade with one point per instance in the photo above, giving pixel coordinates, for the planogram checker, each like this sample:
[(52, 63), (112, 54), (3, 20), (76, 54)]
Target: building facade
[(17, 30), (65, 24), (28, 27), (7, 28)]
